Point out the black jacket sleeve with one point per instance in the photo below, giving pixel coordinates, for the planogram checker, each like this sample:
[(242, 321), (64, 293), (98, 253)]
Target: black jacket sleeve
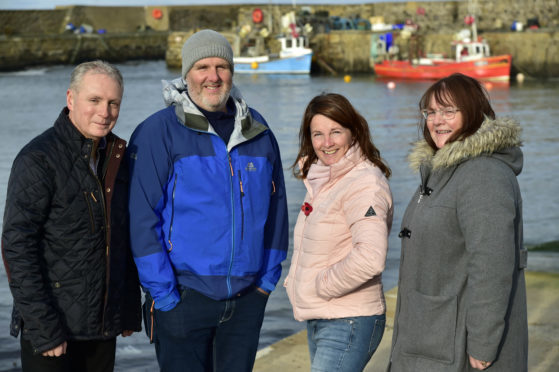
[(28, 203)]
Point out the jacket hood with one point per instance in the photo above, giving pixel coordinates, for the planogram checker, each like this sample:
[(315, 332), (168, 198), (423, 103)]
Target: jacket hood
[(499, 138), (246, 126), (175, 93)]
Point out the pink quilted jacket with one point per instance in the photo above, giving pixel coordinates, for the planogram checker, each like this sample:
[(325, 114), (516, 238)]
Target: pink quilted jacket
[(340, 247)]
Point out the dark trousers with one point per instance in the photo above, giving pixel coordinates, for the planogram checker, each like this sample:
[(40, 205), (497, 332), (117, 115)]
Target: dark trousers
[(82, 356), (205, 335)]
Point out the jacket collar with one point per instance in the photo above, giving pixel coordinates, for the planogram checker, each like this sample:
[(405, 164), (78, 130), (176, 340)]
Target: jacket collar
[(71, 135), (75, 140), (320, 174), (492, 137), (246, 127)]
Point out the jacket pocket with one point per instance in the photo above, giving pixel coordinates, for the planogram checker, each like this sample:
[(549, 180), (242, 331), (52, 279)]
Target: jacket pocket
[(72, 299), (90, 198), (428, 327), (172, 215), (242, 207)]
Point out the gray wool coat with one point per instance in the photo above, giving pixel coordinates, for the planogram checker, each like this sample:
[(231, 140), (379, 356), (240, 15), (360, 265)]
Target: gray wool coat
[(461, 285)]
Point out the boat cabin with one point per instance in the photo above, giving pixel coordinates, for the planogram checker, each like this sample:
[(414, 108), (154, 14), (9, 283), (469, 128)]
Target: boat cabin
[(293, 46), (468, 51)]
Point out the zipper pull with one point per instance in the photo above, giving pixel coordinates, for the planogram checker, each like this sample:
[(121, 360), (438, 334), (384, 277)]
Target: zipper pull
[(231, 166), (93, 197), (171, 245), (241, 184), (152, 318)]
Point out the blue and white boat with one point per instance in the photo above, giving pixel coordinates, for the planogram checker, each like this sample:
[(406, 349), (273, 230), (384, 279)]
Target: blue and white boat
[(294, 58)]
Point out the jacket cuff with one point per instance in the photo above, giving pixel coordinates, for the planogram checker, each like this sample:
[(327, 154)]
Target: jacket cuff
[(169, 302), (38, 350), (265, 285), (482, 351)]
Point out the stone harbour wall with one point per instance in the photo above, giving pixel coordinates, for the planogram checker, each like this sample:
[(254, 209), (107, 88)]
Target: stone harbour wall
[(494, 15), (20, 52), (35, 37)]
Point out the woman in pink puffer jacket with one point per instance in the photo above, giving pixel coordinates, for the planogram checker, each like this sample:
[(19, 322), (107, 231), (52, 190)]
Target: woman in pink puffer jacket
[(341, 236)]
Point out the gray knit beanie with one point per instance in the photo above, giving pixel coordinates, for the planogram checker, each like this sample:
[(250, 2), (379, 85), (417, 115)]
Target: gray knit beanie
[(204, 44)]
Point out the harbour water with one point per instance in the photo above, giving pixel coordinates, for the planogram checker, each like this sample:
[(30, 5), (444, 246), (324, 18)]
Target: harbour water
[(32, 99)]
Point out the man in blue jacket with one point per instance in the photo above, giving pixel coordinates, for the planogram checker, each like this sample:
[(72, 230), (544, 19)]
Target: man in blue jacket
[(208, 215)]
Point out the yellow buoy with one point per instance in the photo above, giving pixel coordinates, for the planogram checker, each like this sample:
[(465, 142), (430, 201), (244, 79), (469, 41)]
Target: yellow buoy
[(254, 65), (347, 78)]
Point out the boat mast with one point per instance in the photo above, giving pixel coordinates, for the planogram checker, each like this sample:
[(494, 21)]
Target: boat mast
[(472, 9), (270, 24)]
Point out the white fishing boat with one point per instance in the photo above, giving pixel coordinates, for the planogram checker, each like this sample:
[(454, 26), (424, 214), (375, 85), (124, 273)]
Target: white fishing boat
[(294, 58)]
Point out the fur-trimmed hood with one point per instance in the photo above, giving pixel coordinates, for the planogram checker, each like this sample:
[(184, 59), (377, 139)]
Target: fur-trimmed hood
[(499, 138)]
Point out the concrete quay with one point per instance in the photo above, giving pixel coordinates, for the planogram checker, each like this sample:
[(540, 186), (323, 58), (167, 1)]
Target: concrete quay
[(291, 353)]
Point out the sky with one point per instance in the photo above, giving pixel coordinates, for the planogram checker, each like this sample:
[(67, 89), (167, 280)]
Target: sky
[(50, 4)]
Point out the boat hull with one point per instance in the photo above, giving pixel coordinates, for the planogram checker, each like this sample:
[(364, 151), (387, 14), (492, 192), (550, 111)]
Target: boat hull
[(495, 68), (289, 65)]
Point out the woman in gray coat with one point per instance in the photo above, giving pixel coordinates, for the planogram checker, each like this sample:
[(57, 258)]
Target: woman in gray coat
[(462, 296)]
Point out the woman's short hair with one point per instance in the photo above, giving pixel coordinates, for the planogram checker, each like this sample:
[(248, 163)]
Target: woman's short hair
[(337, 108), (464, 93)]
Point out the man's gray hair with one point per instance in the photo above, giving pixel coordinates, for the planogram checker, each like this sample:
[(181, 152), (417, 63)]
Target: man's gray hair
[(96, 67)]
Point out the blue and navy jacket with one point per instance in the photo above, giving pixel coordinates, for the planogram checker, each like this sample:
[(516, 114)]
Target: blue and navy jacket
[(204, 214)]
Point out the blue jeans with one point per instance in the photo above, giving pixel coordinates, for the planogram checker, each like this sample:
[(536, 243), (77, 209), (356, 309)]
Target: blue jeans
[(345, 344), (204, 335)]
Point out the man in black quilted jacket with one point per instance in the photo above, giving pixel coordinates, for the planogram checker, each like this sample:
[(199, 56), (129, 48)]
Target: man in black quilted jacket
[(65, 239)]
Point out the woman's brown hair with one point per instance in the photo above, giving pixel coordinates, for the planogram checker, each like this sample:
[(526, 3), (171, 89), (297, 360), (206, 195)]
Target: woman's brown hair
[(337, 108), (467, 95)]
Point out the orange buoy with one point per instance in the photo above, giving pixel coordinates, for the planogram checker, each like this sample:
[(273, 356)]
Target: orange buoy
[(157, 13), (254, 65), (257, 15)]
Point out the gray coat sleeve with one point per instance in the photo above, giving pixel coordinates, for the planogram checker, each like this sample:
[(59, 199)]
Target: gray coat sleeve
[(489, 208)]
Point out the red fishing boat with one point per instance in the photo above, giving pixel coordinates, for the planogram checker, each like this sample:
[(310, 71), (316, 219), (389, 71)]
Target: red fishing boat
[(470, 56)]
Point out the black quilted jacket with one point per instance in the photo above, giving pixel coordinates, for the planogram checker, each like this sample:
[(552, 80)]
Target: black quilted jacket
[(71, 272)]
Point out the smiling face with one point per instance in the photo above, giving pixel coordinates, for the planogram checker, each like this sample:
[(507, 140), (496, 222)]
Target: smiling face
[(330, 140), (441, 129), (94, 105), (209, 83)]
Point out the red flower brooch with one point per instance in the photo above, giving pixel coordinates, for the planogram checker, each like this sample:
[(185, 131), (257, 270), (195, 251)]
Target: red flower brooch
[(306, 208)]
